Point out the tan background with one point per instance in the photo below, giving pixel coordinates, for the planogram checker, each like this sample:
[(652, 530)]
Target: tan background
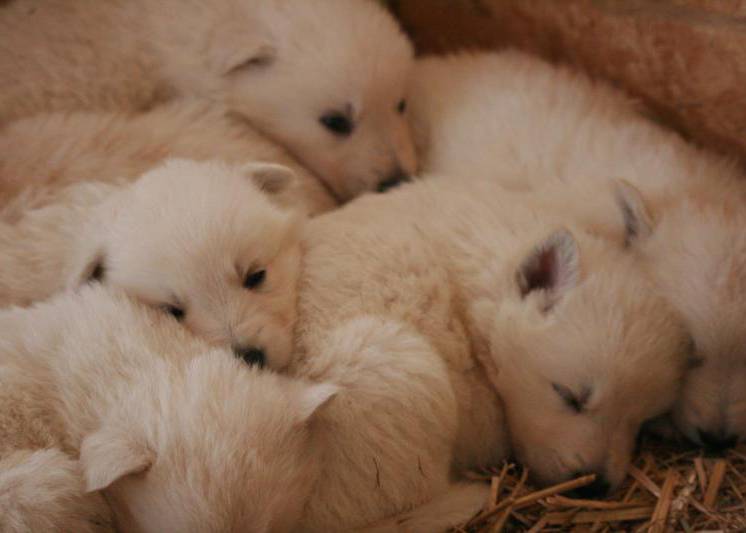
[(685, 58)]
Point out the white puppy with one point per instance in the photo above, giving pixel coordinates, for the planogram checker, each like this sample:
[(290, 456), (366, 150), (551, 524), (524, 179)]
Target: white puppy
[(473, 274), (177, 436), (201, 241), (325, 79), (40, 156), (514, 119)]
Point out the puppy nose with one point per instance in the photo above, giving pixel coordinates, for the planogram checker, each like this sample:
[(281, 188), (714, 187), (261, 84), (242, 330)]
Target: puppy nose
[(717, 441), (250, 355), (394, 179), (598, 489)]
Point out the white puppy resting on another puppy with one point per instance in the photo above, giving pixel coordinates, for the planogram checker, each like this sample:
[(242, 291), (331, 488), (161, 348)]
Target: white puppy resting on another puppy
[(44, 153), (324, 79), (514, 119), (178, 437), (471, 275), (201, 241)]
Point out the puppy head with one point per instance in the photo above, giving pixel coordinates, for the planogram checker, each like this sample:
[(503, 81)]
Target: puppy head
[(327, 80), (202, 242), (582, 352), (697, 256), (212, 447)]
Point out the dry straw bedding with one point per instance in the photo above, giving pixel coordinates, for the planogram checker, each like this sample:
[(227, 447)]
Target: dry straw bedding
[(669, 488)]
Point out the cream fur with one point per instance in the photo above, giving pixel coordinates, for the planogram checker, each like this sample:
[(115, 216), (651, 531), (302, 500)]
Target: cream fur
[(43, 490), (445, 262), (513, 119), (184, 235), (386, 439), (279, 64), (43, 154), (177, 436), (227, 449)]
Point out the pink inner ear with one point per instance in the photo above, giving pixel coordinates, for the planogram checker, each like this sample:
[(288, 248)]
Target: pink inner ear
[(542, 274)]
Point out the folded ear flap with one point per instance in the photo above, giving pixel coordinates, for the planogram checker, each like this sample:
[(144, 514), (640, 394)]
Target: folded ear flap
[(553, 266), (110, 454), (315, 397), (240, 51), (271, 178), (638, 224)]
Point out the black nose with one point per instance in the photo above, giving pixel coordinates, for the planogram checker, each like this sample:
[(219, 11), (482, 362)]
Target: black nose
[(717, 441), (394, 179), (250, 355), (598, 489)]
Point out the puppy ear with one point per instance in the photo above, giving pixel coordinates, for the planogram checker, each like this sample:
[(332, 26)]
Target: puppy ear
[(314, 398), (110, 454), (237, 51), (271, 178), (553, 267), (638, 224)]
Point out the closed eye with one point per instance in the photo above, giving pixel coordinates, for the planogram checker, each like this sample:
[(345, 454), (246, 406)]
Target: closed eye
[(175, 311), (694, 360), (337, 123), (255, 279), (576, 402)]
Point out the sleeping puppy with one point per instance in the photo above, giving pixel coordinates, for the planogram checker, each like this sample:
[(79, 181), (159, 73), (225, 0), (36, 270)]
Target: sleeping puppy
[(202, 242), (324, 79), (102, 396)]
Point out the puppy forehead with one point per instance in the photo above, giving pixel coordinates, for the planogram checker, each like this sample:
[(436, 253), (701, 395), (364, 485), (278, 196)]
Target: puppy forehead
[(172, 213), (343, 68), (197, 258), (608, 347), (199, 189), (346, 47)]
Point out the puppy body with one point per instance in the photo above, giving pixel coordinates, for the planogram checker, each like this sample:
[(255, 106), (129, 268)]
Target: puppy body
[(324, 79), (43, 490), (513, 119), (414, 407), (41, 157), (446, 264), (178, 436), (387, 437), (186, 238)]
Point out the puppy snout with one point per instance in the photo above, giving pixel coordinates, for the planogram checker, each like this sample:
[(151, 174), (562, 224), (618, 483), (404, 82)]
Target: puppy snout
[(251, 355), (598, 489), (717, 441), (394, 179)]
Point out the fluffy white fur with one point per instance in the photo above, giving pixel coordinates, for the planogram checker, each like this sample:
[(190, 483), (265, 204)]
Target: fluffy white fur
[(386, 439), (183, 238), (513, 119), (281, 65), (459, 268), (43, 490), (45, 153), (177, 436)]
